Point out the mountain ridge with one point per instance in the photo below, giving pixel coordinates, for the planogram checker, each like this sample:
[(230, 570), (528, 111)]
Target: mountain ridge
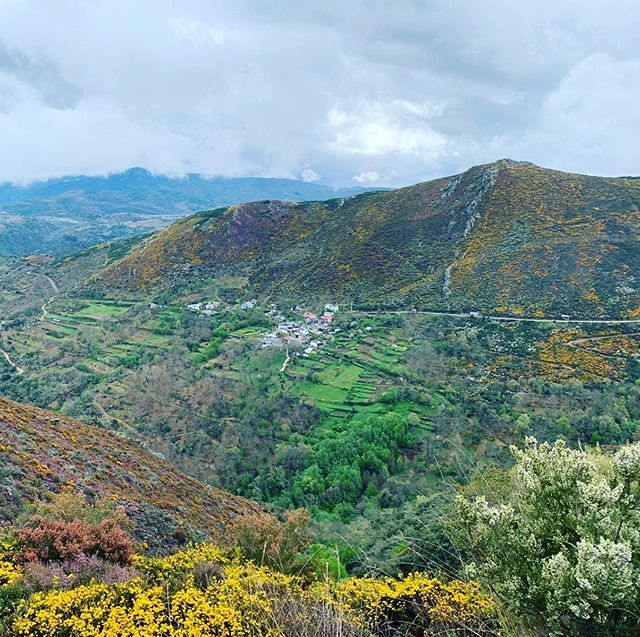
[(64, 215), (505, 237)]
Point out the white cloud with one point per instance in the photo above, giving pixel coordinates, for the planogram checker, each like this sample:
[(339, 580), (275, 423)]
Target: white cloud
[(383, 127), (367, 177), (253, 88), (593, 115), (308, 174)]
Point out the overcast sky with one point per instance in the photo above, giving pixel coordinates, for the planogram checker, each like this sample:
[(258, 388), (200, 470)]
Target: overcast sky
[(344, 92)]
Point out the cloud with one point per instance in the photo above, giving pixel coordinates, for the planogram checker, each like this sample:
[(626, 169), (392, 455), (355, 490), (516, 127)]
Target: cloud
[(308, 174), (342, 90), (367, 177), (381, 128), (592, 116)]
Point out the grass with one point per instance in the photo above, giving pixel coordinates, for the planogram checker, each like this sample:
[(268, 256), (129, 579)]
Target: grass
[(346, 378), (102, 309), (341, 375), (327, 396)]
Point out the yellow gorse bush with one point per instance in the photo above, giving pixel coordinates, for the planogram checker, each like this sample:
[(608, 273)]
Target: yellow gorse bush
[(9, 572), (376, 601), (182, 562), (201, 592)]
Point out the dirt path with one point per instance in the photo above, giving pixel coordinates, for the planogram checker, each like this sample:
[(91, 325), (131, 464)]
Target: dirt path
[(19, 370), (43, 308), (287, 360)]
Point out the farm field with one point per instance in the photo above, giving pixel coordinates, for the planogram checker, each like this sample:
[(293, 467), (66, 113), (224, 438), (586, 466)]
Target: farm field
[(203, 391)]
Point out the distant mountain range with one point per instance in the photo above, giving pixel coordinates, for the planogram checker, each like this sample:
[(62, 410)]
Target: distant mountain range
[(62, 216), (507, 237)]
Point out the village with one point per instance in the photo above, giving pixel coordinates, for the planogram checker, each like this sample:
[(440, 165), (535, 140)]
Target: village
[(306, 333), (303, 334)]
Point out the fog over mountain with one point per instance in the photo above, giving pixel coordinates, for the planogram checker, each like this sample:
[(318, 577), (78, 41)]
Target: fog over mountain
[(347, 94)]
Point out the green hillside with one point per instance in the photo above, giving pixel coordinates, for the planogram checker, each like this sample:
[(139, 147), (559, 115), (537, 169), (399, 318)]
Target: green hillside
[(503, 238), (62, 216)]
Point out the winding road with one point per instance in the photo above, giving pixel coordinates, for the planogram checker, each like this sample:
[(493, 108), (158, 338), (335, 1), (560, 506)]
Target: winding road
[(515, 319), (56, 291), (43, 308)]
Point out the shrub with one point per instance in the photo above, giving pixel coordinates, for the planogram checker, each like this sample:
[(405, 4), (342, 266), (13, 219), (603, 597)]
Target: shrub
[(263, 539), (562, 546), (82, 569), (200, 591), (45, 540), (417, 605)]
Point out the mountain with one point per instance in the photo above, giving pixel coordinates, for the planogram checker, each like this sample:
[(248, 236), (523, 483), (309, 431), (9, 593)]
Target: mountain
[(61, 216), (41, 451), (506, 238)]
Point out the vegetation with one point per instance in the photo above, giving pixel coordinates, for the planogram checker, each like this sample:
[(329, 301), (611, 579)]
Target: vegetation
[(402, 249), (173, 366), (368, 432), (560, 546), (63, 216), (44, 452), (205, 590)]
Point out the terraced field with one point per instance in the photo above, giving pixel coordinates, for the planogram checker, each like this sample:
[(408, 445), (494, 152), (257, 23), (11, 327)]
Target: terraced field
[(355, 376)]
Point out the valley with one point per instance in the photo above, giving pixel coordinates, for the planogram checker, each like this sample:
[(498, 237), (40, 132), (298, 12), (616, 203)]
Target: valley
[(319, 319), (387, 410), (275, 368)]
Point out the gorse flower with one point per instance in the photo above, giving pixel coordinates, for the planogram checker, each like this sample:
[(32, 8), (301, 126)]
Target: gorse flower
[(202, 592), (9, 572)]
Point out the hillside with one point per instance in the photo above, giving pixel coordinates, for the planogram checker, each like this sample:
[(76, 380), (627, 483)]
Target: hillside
[(507, 238), (62, 216), (42, 451)]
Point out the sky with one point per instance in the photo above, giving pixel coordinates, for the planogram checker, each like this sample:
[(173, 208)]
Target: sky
[(347, 93)]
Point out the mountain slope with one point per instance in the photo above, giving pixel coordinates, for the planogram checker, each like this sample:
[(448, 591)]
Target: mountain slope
[(42, 451), (61, 216), (507, 237)]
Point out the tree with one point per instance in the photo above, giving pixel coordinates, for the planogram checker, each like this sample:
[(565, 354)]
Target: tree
[(562, 547)]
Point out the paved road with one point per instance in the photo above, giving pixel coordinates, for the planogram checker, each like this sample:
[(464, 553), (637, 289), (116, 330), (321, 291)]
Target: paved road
[(504, 318)]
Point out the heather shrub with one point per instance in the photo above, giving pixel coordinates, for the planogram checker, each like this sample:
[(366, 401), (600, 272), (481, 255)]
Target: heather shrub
[(45, 540), (82, 569)]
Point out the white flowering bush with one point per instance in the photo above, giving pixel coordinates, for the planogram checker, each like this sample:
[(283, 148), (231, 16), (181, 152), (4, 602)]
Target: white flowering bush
[(561, 548)]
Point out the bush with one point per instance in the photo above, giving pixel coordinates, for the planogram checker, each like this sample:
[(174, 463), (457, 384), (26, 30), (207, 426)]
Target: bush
[(201, 591), (265, 540), (45, 540), (417, 605), (80, 570), (562, 546)]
